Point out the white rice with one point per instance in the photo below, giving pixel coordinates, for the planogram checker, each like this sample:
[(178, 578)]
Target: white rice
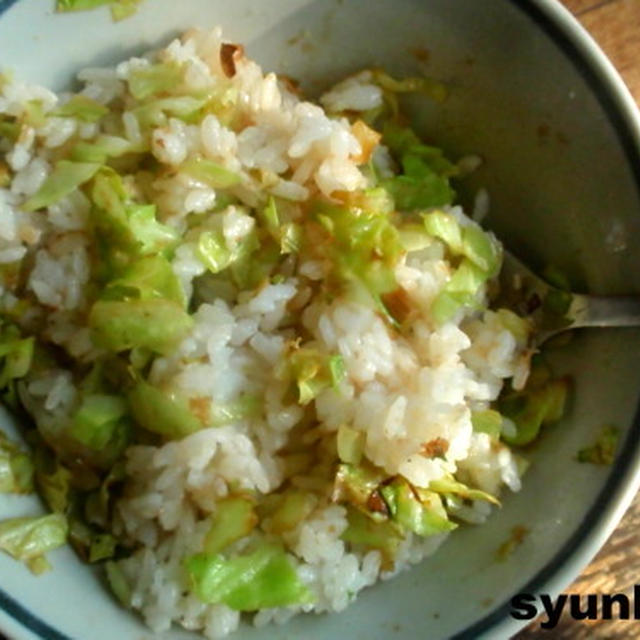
[(400, 390)]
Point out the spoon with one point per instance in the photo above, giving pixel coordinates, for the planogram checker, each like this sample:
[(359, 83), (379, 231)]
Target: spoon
[(553, 310)]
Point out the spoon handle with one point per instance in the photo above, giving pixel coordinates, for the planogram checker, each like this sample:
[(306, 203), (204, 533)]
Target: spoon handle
[(604, 311)]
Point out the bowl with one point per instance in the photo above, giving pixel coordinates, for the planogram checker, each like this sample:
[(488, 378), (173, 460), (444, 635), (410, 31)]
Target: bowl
[(560, 136)]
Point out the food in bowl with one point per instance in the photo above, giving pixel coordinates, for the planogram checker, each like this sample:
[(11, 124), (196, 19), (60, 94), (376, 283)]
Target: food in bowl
[(256, 338)]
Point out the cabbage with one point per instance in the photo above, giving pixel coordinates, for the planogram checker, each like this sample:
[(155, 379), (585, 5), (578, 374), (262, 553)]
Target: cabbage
[(290, 238), (399, 139), (5, 172), (102, 547), (603, 451), (253, 262), (212, 250), (374, 199), (233, 519), (487, 421), (156, 79), (210, 173), (293, 507), (102, 148), (271, 219), (423, 514), (33, 114), (218, 256), (449, 485), (385, 536), (246, 406), (482, 249), (154, 112), (424, 181), (28, 539), (470, 241), (128, 225), (66, 177), (118, 583), (411, 193), (445, 227), (356, 485), (98, 504), (154, 324), (315, 371), (144, 279), (557, 303), (97, 421), (120, 9), (288, 235), (533, 408), (53, 480), (9, 128), (337, 370), (519, 327), (414, 237), (81, 107), (263, 578), (363, 246), (350, 444), (16, 468), (427, 86), (16, 355), (159, 412), (460, 292)]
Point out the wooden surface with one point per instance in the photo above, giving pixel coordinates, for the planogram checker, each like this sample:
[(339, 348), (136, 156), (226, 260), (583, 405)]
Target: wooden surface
[(615, 24)]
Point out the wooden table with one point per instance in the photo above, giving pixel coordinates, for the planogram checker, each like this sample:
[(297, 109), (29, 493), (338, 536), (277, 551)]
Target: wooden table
[(615, 24)]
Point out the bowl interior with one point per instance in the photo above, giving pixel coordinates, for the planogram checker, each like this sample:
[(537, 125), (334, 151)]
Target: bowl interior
[(562, 192)]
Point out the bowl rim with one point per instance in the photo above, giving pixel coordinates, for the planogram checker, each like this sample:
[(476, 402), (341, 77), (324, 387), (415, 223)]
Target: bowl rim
[(588, 59)]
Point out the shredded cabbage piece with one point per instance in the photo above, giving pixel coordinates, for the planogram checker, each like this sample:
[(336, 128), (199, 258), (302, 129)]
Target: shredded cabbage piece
[(149, 277), (155, 324), (81, 107), (424, 180), (449, 485), (118, 583), (356, 484), (419, 511), (293, 507), (162, 413), (460, 292), (53, 480), (487, 421), (29, 538), (603, 450), (97, 420), (260, 579), (355, 233), (16, 468), (154, 80), (233, 519), (314, 372), (103, 148), (125, 223), (210, 173), (66, 177), (350, 444), (383, 535), (533, 408)]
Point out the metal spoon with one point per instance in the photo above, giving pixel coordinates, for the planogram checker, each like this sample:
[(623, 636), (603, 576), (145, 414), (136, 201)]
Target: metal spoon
[(554, 311)]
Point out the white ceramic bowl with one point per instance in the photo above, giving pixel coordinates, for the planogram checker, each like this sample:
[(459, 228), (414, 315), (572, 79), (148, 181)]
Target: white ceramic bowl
[(533, 94)]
